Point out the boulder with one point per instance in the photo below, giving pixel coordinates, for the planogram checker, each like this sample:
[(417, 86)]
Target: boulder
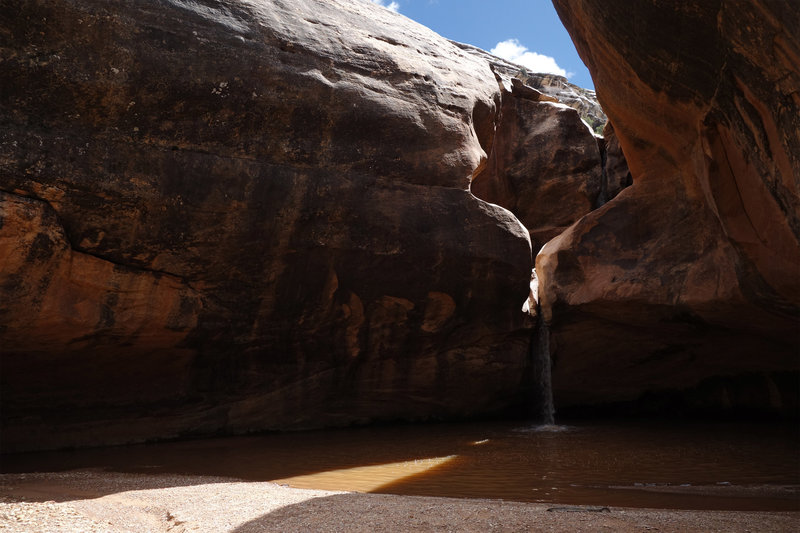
[(687, 285), (239, 215)]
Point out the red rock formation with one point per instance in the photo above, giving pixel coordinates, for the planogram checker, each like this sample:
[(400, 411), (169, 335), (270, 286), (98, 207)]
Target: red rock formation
[(616, 175), (236, 215), (583, 100), (544, 166), (692, 275)]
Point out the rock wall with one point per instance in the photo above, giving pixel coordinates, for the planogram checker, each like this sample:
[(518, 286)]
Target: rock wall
[(544, 165), (238, 215), (690, 279), (615, 172), (226, 216), (583, 100)]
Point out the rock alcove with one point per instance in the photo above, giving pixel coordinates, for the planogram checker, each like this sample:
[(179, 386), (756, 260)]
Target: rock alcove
[(233, 216)]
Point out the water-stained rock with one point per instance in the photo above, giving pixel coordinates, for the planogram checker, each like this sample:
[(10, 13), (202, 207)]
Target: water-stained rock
[(693, 273), (241, 215)]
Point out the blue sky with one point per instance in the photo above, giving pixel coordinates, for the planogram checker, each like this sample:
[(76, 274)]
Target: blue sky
[(528, 32)]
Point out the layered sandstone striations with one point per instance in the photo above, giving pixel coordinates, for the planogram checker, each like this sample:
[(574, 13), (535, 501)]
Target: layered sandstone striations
[(690, 279), (241, 215)]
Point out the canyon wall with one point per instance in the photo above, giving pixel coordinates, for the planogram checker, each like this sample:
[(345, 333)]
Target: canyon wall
[(227, 216), (684, 292)]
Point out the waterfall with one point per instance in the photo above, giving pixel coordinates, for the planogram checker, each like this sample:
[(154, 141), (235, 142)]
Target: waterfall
[(544, 371), (540, 355)]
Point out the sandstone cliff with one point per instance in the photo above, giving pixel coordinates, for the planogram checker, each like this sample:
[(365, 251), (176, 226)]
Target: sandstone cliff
[(236, 215), (545, 166), (687, 286), (544, 163), (241, 215)]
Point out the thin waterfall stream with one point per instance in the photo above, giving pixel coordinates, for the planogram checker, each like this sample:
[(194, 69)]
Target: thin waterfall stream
[(540, 357), (544, 365)]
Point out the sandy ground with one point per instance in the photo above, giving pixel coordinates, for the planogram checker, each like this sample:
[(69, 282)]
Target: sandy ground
[(94, 501)]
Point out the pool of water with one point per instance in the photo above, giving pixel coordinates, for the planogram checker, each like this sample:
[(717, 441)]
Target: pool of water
[(730, 466)]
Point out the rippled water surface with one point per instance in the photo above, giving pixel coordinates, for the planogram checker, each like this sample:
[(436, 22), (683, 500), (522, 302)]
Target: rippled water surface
[(690, 466)]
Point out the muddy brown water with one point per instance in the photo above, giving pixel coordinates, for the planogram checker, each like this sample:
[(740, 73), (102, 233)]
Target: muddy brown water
[(722, 466)]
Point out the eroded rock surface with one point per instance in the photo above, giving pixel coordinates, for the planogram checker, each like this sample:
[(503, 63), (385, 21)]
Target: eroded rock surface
[(242, 215), (689, 279), (616, 175), (553, 87), (578, 98), (544, 163), (544, 166)]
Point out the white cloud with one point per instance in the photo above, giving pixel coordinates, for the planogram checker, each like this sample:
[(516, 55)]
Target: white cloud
[(513, 51), (391, 6)]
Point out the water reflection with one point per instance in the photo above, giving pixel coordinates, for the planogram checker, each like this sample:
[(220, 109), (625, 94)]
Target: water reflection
[(690, 466), (366, 478)]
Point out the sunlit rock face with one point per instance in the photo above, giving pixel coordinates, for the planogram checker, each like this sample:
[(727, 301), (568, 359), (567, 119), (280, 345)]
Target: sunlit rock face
[(242, 215), (552, 87), (545, 166), (544, 163), (583, 100), (690, 279)]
